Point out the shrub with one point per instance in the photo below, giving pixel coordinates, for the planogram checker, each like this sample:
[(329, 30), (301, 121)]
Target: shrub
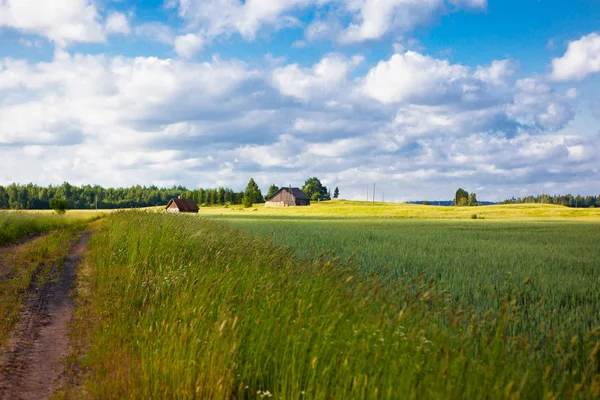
[(474, 216), (247, 202), (59, 205)]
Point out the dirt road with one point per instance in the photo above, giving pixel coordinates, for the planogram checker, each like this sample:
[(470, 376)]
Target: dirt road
[(31, 367)]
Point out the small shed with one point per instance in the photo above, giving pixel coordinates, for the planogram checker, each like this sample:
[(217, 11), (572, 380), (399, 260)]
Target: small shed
[(288, 197), (180, 205)]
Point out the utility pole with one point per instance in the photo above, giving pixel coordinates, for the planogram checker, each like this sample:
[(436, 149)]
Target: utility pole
[(373, 194), (367, 193), (383, 196)]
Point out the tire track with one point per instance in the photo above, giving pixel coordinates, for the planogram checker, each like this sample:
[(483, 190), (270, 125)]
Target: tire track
[(31, 367)]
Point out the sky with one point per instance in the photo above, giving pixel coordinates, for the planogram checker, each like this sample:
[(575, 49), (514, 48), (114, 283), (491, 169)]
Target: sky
[(420, 97)]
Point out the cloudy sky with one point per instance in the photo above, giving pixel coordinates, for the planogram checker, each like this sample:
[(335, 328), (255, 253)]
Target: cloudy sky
[(419, 96)]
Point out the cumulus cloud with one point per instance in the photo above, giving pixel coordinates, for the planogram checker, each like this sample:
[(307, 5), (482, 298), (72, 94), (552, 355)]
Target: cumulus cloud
[(188, 45), (219, 17), (61, 21), (147, 120), (414, 77), (370, 19), (323, 79), (535, 100), (581, 59), (375, 18), (117, 23), (156, 31)]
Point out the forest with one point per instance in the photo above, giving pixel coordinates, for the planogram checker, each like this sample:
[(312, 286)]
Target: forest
[(34, 197), (567, 200)]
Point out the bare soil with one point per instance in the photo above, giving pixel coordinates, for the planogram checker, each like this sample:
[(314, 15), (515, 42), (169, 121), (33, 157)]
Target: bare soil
[(31, 366)]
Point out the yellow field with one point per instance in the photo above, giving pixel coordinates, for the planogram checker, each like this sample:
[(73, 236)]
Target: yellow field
[(344, 208)]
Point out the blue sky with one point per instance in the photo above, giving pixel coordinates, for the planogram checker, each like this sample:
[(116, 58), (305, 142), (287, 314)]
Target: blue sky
[(419, 96)]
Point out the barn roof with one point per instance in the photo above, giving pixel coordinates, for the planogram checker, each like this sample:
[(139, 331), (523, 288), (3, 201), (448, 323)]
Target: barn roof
[(185, 205), (296, 192), (299, 194)]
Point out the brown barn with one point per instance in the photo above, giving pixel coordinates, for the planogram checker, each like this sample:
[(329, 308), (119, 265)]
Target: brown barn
[(180, 205), (288, 197)]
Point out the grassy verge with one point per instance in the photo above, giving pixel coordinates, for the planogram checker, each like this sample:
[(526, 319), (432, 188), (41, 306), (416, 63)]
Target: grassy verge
[(24, 266), (181, 307), (15, 225)]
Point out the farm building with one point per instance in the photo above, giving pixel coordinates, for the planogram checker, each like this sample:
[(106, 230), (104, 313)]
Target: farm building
[(288, 197), (180, 205)]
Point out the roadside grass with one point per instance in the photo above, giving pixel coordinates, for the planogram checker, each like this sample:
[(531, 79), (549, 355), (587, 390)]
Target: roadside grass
[(28, 266), (176, 306), (362, 209), (15, 225)]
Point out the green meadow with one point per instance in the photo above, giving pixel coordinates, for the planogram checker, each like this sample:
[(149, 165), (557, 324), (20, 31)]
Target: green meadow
[(480, 263), (180, 306), (15, 225), (338, 300)]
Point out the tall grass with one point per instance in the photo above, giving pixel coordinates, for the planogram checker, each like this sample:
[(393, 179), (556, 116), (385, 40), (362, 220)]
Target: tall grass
[(15, 225), (182, 307), (479, 262)]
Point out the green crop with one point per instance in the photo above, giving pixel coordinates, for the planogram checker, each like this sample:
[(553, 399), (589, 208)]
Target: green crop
[(480, 263), (178, 306)]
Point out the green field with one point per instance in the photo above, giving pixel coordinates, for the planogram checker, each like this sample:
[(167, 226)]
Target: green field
[(15, 225), (181, 306), (338, 301), (479, 263)]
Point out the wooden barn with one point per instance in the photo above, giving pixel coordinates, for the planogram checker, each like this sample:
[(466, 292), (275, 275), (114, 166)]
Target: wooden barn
[(288, 197), (180, 205)]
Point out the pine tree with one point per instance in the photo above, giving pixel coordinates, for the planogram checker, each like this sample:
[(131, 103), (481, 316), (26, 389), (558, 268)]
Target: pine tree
[(272, 190), (252, 192)]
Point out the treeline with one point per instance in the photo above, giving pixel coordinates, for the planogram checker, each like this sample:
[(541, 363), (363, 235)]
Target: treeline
[(34, 197), (567, 200)]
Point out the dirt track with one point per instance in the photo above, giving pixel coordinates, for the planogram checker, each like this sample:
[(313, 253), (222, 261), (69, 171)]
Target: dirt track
[(31, 367)]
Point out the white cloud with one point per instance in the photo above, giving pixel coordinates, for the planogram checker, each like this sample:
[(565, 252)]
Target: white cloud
[(498, 73), (375, 18), (117, 23), (122, 121), (29, 43), (188, 45), (535, 100), (581, 59), (323, 79), (218, 17), (371, 19), (416, 78), (61, 21), (156, 31)]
